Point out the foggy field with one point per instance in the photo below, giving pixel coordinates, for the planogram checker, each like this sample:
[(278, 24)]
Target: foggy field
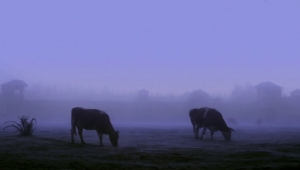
[(48, 112), (152, 148), (153, 135), (147, 64)]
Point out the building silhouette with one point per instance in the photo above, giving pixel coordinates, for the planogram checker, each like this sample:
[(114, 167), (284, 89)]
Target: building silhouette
[(13, 90)]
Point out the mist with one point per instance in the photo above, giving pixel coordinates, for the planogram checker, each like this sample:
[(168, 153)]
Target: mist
[(52, 107), (149, 63)]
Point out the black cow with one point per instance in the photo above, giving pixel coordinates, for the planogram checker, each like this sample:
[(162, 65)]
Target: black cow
[(209, 118), (92, 119)]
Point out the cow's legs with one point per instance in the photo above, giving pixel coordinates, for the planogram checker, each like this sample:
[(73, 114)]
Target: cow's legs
[(72, 134), (197, 131), (203, 132), (73, 130), (100, 135), (80, 134)]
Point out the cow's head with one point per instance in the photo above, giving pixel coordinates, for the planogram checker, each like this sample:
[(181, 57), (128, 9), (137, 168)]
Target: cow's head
[(114, 137), (227, 134)]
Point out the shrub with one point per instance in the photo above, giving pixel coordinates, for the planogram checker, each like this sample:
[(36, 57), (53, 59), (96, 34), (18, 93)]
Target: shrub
[(25, 127)]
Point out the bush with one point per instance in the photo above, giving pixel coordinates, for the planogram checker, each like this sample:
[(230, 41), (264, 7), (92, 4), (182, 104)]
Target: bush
[(25, 127)]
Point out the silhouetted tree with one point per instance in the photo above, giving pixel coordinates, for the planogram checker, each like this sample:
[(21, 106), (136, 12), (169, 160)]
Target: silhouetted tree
[(143, 95), (243, 94), (198, 98)]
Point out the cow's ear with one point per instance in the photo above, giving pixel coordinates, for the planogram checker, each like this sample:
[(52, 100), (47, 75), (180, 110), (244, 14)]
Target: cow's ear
[(117, 132), (231, 129)]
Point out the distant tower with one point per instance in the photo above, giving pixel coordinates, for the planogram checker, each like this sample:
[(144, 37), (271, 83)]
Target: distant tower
[(198, 98), (295, 97), (143, 95), (268, 93), (295, 93), (8, 89), (269, 98)]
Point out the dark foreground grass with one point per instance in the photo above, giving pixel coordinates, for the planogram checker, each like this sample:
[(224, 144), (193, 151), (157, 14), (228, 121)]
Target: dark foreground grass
[(150, 149), (50, 153), (143, 161)]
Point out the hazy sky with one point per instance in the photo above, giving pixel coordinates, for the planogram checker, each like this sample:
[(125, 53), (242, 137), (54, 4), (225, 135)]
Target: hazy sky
[(163, 46)]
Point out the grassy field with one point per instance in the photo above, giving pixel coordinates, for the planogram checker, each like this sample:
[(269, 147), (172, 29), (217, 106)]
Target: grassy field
[(152, 148)]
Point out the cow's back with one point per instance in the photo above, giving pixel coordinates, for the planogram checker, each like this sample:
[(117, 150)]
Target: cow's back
[(215, 118), (90, 118)]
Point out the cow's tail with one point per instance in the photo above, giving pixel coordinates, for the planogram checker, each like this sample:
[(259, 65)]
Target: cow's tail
[(73, 129), (192, 116), (231, 129)]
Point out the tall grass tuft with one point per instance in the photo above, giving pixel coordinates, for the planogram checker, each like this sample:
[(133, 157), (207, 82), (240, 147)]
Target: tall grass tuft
[(25, 127)]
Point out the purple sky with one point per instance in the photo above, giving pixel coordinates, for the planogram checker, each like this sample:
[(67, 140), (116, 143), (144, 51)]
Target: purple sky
[(164, 46)]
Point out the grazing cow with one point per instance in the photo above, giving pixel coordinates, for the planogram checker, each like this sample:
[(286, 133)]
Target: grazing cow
[(92, 119), (209, 118), (231, 121)]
